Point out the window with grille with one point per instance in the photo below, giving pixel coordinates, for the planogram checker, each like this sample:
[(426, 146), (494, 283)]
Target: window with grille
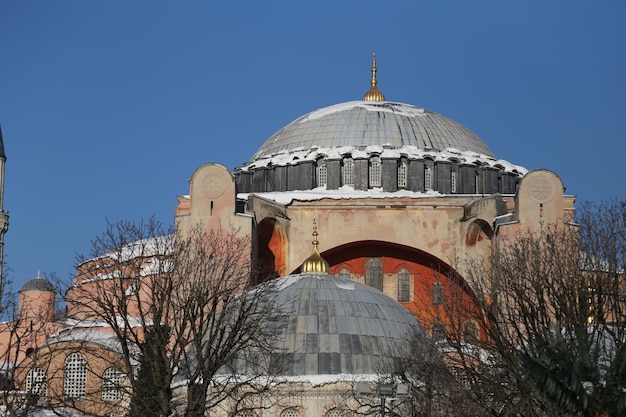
[(36, 382), (402, 175), (404, 286), (75, 377), (111, 384), (348, 172), (428, 178), (322, 174), (344, 273), (374, 273), (453, 182), (375, 172), (246, 413), (461, 377), (290, 413), (438, 293)]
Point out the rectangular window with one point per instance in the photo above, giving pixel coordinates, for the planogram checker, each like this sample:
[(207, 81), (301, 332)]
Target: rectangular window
[(402, 175), (322, 175), (404, 286), (375, 172), (453, 182), (428, 178), (374, 273), (348, 172)]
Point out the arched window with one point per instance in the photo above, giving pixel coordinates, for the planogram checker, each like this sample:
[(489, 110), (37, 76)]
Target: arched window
[(111, 384), (404, 286), (438, 332), (75, 376), (36, 383), (322, 174), (290, 412), (470, 333), (375, 172), (438, 293), (428, 178), (402, 175), (374, 273), (348, 171), (344, 273)]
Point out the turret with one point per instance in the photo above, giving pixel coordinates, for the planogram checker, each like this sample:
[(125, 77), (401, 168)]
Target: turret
[(37, 299)]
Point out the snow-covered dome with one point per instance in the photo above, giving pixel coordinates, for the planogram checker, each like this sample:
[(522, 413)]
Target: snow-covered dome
[(372, 144), (371, 123), (338, 326)]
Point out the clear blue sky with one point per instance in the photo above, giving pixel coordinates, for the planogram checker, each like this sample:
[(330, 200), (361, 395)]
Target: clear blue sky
[(108, 107)]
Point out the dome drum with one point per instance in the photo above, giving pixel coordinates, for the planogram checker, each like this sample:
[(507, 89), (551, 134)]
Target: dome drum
[(445, 176)]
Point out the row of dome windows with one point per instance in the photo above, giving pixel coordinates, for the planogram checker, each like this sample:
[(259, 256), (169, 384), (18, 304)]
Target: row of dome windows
[(374, 278), (470, 332), (446, 177), (375, 175), (75, 380)]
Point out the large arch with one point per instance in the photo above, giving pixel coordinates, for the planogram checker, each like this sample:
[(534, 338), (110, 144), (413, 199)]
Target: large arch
[(428, 274), (271, 258)]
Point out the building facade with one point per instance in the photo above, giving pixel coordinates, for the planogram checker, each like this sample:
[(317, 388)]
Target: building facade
[(400, 196)]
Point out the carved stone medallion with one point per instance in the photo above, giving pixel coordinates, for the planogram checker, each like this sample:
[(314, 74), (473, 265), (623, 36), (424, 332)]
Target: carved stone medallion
[(213, 186), (541, 190)]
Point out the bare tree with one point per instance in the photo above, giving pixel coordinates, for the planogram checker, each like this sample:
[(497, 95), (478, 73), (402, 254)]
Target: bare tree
[(181, 310), (553, 312), (224, 324)]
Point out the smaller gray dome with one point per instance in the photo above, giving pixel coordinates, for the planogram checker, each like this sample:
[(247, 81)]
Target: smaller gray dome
[(335, 325), (38, 284)]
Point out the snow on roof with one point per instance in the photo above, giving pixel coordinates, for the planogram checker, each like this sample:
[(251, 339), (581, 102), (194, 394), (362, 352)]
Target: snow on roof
[(388, 106), (343, 193), (153, 246), (449, 154)]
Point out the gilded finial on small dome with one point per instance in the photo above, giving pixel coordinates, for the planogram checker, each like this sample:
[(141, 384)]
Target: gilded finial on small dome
[(315, 263), (374, 94)]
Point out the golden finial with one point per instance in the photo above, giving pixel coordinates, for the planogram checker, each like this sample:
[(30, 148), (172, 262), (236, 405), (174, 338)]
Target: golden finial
[(373, 94), (315, 263)]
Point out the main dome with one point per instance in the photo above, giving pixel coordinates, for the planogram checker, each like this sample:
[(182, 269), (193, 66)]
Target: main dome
[(370, 123)]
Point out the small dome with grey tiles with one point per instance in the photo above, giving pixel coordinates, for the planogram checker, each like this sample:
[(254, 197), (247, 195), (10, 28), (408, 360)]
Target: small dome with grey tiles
[(38, 284), (334, 325)]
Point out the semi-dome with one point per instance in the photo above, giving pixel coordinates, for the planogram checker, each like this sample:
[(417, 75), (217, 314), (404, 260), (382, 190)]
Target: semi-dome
[(370, 123), (338, 326)]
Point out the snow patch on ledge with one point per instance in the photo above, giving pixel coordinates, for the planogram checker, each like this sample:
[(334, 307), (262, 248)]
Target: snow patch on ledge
[(343, 193)]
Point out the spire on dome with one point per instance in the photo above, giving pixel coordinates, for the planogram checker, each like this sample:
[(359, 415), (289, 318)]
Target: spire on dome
[(2, 154), (315, 263), (374, 94)]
